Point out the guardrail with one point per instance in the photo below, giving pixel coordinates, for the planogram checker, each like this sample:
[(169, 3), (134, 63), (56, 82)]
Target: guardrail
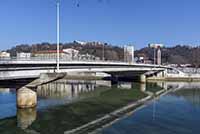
[(54, 59)]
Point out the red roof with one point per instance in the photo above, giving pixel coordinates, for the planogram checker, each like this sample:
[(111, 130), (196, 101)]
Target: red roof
[(48, 51)]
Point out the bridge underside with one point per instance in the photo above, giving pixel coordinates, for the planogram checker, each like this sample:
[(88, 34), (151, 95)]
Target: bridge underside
[(127, 73), (24, 74)]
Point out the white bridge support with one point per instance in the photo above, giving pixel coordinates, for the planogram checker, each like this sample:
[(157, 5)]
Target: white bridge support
[(143, 87), (26, 98), (143, 78)]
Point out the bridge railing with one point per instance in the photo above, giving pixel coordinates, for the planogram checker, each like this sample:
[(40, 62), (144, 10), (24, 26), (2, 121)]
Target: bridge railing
[(36, 60), (4, 60)]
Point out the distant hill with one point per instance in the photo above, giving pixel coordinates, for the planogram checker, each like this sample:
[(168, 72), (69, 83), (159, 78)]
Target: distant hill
[(176, 55), (173, 55), (93, 48)]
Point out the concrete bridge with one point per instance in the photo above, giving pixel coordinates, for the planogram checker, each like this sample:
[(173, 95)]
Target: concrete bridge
[(20, 69)]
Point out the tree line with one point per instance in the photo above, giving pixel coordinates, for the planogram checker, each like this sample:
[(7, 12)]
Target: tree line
[(179, 54)]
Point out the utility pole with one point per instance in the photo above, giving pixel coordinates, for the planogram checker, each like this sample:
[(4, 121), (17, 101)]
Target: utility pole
[(103, 52), (154, 55), (58, 36), (124, 54), (132, 54)]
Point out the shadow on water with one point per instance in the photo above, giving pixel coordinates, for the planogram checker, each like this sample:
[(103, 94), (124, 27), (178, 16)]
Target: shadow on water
[(16, 84)]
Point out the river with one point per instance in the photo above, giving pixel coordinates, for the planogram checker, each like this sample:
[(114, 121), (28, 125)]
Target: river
[(176, 112)]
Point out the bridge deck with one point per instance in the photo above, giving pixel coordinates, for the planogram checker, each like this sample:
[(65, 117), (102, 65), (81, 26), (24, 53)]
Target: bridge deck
[(28, 69)]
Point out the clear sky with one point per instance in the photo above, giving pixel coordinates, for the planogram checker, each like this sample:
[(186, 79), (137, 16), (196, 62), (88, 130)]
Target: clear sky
[(118, 22)]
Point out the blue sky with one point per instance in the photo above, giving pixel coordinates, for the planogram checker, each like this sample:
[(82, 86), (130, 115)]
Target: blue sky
[(118, 22)]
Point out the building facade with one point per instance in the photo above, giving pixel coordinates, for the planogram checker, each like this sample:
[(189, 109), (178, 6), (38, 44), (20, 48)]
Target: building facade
[(23, 55), (129, 53), (4, 55)]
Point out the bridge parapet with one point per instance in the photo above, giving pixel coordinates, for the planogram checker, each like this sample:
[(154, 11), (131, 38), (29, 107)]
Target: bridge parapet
[(32, 69)]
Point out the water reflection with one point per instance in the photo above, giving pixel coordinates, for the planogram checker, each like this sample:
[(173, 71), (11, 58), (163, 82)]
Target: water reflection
[(7, 102), (143, 87), (69, 89), (55, 93), (182, 101), (176, 112), (4, 90), (125, 85), (25, 117), (190, 93)]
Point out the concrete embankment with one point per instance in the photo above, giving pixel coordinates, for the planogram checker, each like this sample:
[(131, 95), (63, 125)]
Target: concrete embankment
[(177, 79)]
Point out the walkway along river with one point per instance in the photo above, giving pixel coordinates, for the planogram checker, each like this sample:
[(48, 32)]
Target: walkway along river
[(67, 104)]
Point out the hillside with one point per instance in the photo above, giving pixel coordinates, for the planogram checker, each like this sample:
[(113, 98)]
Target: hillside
[(172, 55), (93, 48), (176, 55)]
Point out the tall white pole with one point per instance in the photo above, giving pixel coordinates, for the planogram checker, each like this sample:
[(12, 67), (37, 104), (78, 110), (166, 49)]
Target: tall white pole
[(125, 59), (132, 54), (103, 53), (58, 36)]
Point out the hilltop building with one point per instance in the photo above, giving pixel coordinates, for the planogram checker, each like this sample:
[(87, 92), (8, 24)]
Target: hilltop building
[(142, 58), (4, 55), (129, 53), (50, 54), (159, 57), (72, 53), (80, 42), (65, 54), (23, 55)]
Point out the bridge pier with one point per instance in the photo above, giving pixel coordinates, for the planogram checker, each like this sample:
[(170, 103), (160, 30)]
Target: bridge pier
[(114, 79), (26, 98), (143, 87), (25, 117), (143, 78)]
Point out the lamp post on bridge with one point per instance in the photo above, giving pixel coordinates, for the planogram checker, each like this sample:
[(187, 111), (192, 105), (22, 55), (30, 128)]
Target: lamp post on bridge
[(58, 37), (103, 53)]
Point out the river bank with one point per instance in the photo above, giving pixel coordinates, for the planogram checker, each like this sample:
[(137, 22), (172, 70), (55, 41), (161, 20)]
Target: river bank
[(176, 79)]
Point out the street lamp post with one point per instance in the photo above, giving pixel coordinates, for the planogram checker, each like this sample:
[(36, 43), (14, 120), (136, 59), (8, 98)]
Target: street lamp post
[(58, 36), (103, 52), (125, 55)]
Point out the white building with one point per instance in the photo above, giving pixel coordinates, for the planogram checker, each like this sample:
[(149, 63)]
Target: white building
[(4, 55), (80, 42), (129, 53), (159, 62), (72, 53), (23, 55)]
